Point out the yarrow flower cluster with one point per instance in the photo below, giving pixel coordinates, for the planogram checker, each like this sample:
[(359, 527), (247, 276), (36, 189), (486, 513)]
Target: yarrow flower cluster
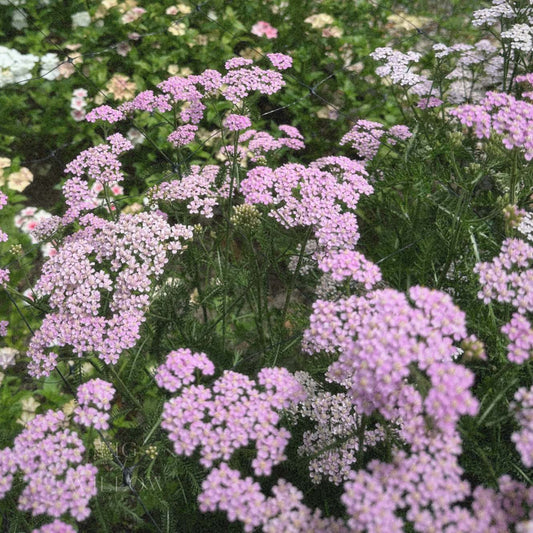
[(334, 443), (100, 163), (178, 369), (501, 114), (366, 137), (476, 68), (508, 278), (105, 113), (224, 489), (381, 338), (472, 69), (323, 195), (520, 37), (230, 414), (57, 526), (280, 61), (49, 458), (349, 264), (183, 135), (429, 490), (515, 18), (237, 122), (135, 247), (500, 9), (241, 79), (523, 439), (198, 188), (398, 68), (94, 399), (525, 226), (255, 144)]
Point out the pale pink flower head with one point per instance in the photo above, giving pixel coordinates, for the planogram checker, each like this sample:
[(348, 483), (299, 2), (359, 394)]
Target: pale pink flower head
[(123, 49), (117, 189), (78, 103), (77, 115), (237, 122), (55, 527), (264, 29), (280, 61), (429, 102), (183, 135), (133, 14), (80, 93)]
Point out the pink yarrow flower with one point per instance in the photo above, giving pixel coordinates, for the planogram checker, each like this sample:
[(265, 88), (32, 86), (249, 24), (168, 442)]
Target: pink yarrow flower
[(264, 29), (183, 135), (105, 113), (237, 122), (280, 61)]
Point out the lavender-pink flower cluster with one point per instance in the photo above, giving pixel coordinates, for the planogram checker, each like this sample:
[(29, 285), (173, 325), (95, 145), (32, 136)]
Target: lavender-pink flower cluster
[(382, 339), (523, 439), (323, 195), (178, 369), (230, 414), (198, 187), (100, 163), (508, 278), (504, 115), (352, 265), (257, 144), (135, 248), (189, 93), (224, 489), (49, 456), (428, 491), (366, 137), (94, 399)]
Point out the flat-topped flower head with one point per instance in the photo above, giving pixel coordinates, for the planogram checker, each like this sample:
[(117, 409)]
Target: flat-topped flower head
[(230, 414)]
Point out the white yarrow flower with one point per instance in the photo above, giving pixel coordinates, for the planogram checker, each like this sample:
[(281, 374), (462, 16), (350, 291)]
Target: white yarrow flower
[(49, 64), (7, 357), (82, 19), (19, 20)]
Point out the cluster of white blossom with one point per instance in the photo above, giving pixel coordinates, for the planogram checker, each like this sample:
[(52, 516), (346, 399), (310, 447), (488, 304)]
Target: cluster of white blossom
[(520, 37), (526, 226), (332, 447), (17, 68), (19, 17), (516, 19), (491, 15)]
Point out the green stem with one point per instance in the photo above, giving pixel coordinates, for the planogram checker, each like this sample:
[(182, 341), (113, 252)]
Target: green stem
[(151, 432), (124, 387), (291, 288), (112, 212), (361, 441), (295, 275), (513, 178), (225, 267)]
